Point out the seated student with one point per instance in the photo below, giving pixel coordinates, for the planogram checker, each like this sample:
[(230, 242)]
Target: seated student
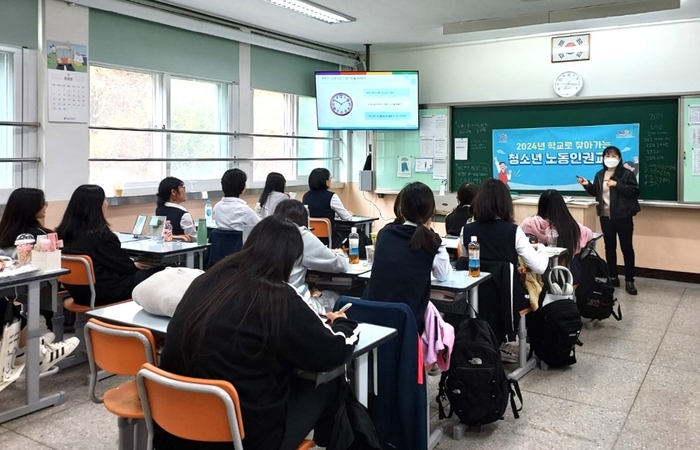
[(232, 212), (171, 194), (316, 257), (272, 194), (405, 255), (323, 203), (552, 214), (244, 323), (501, 240), (24, 208), (460, 215), (85, 231)]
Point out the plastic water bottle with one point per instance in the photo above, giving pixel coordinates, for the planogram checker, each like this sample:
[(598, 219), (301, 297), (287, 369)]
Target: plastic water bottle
[(308, 217), (167, 232), (474, 263), (354, 242), (208, 210), (258, 209)]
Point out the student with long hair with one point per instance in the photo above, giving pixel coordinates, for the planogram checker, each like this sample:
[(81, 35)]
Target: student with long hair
[(24, 211), (323, 203), (244, 323), (406, 254), (502, 241), (461, 215), (617, 192), (272, 194), (316, 257), (553, 215), (85, 231), (171, 195)]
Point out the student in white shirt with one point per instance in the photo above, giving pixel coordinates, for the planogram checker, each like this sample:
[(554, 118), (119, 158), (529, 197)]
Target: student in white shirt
[(232, 212), (317, 256), (272, 194), (171, 194)]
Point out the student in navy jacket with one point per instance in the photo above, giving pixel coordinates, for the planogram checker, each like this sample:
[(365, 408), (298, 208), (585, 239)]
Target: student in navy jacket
[(244, 323), (406, 255), (171, 194)]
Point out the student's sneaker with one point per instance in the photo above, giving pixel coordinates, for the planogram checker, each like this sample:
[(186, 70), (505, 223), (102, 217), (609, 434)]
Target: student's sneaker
[(507, 353), (47, 338), (616, 282), (55, 352)]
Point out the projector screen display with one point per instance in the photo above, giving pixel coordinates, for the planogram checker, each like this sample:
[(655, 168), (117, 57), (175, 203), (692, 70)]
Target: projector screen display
[(367, 100)]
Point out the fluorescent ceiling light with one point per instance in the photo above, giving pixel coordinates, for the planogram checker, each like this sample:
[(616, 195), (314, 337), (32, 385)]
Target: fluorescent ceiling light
[(313, 10)]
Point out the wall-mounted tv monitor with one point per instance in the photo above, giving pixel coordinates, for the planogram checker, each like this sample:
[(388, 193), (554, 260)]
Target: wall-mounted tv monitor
[(367, 100)]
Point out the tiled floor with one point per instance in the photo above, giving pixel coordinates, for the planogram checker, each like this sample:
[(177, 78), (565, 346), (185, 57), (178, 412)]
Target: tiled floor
[(635, 386)]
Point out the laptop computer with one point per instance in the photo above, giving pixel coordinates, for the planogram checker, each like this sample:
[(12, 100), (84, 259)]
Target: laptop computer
[(155, 226), (444, 204)]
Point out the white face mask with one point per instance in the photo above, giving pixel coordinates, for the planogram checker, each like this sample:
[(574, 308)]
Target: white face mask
[(611, 163)]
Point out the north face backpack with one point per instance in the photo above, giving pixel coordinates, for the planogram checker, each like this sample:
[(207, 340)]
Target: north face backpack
[(595, 294), (476, 384), (554, 328)]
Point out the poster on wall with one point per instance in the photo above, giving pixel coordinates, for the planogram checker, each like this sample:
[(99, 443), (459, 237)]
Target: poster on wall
[(551, 158), (69, 97)]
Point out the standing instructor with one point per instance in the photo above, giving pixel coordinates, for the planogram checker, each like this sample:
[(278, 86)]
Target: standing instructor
[(617, 192)]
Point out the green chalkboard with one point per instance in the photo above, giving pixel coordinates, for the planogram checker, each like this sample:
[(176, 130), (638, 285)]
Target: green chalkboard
[(658, 124), (390, 145)]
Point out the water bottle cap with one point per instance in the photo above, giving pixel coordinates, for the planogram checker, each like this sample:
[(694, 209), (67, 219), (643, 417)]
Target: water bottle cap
[(473, 238)]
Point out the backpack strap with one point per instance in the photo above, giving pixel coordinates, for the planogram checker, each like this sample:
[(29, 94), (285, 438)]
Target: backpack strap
[(514, 389), (442, 397), (617, 316)]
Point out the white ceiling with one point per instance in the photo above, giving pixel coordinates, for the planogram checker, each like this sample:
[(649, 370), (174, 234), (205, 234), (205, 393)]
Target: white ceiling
[(414, 23)]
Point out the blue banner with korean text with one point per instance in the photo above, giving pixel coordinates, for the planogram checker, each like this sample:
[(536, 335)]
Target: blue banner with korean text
[(551, 158)]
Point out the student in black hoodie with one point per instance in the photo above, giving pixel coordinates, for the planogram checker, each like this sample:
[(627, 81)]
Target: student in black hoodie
[(617, 192), (406, 255), (244, 323), (461, 214)]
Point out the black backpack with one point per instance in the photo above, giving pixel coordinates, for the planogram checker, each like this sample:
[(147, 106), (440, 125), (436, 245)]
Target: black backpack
[(553, 330), (476, 384), (595, 294)]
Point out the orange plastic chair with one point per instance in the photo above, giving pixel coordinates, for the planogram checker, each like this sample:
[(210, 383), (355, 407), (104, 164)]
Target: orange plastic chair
[(120, 350), (322, 228), (192, 408)]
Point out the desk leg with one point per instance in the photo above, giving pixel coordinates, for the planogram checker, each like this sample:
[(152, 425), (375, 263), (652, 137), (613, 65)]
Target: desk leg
[(362, 378), (190, 259), (34, 403), (474, 301)]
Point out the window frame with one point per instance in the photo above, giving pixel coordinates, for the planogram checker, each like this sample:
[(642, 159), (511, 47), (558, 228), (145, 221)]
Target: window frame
[(227, 94), (24, 107), (291, 147)]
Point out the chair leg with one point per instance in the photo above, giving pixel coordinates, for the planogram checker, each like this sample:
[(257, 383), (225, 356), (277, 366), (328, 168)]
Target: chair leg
[(58, 321), (126, 434), (524, 364), (140, 434)]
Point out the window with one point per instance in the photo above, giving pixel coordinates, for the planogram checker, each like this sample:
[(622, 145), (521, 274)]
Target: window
[(18, 91), (7, 148), (289, 115), (130, 99)]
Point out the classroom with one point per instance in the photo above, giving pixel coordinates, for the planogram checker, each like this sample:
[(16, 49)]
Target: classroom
[(122, 94)]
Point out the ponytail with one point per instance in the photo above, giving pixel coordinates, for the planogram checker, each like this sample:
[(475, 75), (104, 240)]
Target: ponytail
[(425, 239)]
